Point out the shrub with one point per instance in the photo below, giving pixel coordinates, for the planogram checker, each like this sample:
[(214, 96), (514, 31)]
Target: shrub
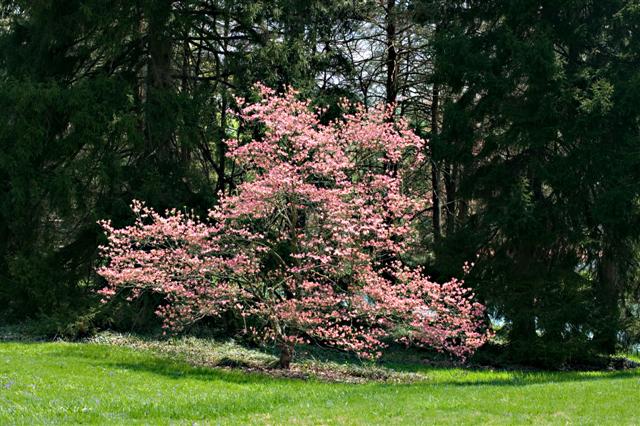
[(309, 246)]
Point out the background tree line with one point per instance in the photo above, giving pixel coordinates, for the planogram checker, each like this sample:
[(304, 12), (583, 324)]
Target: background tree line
[(530, 108)]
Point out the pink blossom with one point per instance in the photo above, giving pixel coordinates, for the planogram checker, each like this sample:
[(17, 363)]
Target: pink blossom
[(310, 243)]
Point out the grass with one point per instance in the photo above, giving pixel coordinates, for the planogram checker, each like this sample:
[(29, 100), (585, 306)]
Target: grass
[(133, 382)]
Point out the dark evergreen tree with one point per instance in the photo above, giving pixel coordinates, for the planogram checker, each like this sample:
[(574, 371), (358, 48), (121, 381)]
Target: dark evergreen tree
[(540, 136), (106, 101)]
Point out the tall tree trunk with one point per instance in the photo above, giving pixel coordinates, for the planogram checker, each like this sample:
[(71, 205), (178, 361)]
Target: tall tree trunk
[(523, 325), (523, 335), (221, 142), (435, 168), (450, 183), (392, 53), (159, 114), (608, 297), (185, 87), (528, 275)]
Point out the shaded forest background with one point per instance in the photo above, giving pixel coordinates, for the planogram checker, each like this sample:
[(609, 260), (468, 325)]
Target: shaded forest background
[(530, 108)]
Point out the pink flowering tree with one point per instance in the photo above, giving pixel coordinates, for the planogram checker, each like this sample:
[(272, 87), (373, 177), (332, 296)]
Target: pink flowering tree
[(309, 247)]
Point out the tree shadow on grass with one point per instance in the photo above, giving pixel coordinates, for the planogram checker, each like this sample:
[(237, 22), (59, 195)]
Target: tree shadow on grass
[(465, 375), (526, 379), (148, 362), (145, 362), (174, 370)]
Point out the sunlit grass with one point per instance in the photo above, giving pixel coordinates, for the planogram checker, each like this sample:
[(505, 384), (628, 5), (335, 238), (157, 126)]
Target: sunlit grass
[(93, 383)]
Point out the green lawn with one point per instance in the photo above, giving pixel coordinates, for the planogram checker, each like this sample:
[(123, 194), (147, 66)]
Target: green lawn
[(91, 383)]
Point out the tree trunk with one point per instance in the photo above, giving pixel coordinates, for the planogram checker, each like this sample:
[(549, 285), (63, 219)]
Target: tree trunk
[(523, 329), (435, 168), (608, 294), (286, 355), (392, 54), (159, 114), (221, 141), (450, 182), (523, 337)]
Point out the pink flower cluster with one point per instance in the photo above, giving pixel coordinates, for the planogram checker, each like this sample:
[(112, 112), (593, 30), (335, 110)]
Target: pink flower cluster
[(310, 244)]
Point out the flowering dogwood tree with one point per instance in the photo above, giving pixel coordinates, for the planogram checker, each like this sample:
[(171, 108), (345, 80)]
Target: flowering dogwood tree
[(309, 246)]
